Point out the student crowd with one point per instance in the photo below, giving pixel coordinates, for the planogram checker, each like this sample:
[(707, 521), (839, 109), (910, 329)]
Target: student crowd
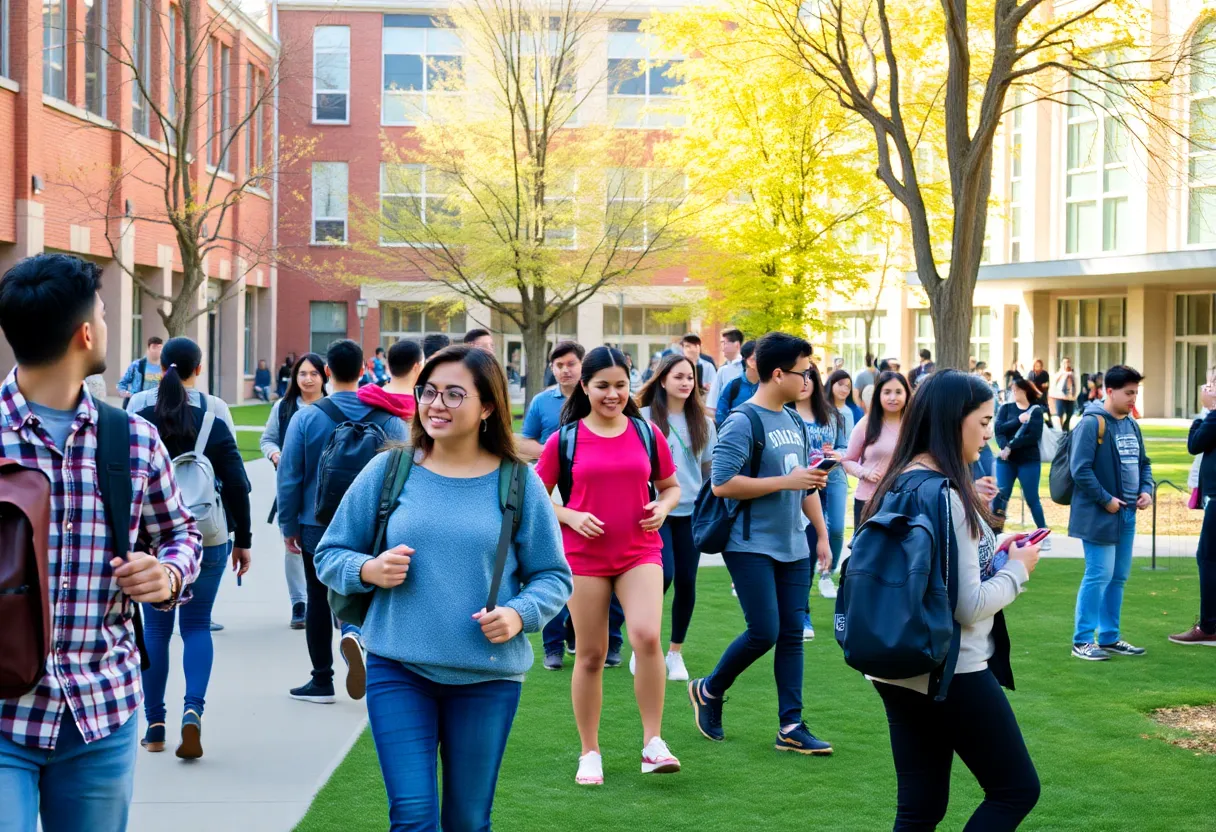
[(417, 524)]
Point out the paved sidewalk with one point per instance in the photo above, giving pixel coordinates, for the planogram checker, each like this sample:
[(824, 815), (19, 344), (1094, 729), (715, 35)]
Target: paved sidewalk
[(266, 754)]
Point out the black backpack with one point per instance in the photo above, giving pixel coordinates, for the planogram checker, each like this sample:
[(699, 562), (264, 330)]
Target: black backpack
[(1059, 477), (568, 439), (349, 448)]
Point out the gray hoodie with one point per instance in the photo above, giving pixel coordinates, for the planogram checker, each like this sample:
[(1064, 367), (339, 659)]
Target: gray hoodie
[(1099, 474)]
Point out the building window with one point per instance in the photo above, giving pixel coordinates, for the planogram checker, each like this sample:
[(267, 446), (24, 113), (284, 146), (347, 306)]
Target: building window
[(331, 74), (1092, 332), (925, 337), (54, 49), (95, 57), (137, 321), (415, 320), (414, 204), (225, 108), (560, 209), (210, 152), (171, 102), (4, 38), (641, 202), (1194, 350), (1016, 183), (141, 60), (1201, 209), (326, 324), (1098, 181), (981, 333), (250, 346), (422, 60), (849, 338), (254, 129), (647, 329), (640, 83), (329, 202)]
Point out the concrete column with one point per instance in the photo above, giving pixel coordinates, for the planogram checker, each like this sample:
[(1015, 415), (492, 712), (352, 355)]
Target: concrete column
[(1040, 325), (230, 350), (118, 295), (1148, 346), (900, 331), (265, 324), (591, 323), (1002, 339)]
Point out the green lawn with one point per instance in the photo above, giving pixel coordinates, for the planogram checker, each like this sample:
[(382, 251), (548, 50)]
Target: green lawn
[(247, 442), (1102, 762), (251, 414)]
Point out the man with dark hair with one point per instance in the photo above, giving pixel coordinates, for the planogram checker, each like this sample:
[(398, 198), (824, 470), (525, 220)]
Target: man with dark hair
[(769, 552), (732, 366), (924, 368), (705, 370), (480, 338), (397, 397), (433, 343), (380, 374), (307, 434), (741, 388), (68, 745), (143, 373), (864, 379), (1114, 478), (545, 411)]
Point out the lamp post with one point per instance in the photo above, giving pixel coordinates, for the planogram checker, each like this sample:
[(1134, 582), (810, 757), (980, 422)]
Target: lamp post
[(361, 311)]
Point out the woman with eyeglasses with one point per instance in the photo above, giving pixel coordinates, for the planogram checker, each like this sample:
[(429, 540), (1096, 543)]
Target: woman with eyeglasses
[(443, 674), (873, 440), (605, 459)]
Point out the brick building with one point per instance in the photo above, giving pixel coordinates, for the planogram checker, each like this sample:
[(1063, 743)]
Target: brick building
[(70, 112)]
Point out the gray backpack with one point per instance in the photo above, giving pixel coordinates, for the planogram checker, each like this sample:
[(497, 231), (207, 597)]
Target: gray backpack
[(196, 482)]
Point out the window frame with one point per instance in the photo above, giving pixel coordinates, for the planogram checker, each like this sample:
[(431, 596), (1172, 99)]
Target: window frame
[(420, 198), (425, 93), (4, 40), (339, 335), (646, 199), (254, 128), (344, 219), (1100, 168), (141, 56), (849, 337), (50, 48), (650, 59), (96, 103), (1017, 179), (317, 91), (1196, 185), (224, 162), (1071, 345)]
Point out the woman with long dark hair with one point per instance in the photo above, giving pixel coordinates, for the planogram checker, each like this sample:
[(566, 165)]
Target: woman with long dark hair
[(948, 424), (306, 385), (670, 400), (839, 390), (186, 424), (874, 438), (1019, 427), (612, 519), (443, 674)]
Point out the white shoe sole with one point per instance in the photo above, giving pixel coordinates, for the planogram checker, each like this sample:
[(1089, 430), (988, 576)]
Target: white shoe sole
[(677, 677), (316, 700), (1091, 658), (808, 636), (668, 767), (1194, 643)]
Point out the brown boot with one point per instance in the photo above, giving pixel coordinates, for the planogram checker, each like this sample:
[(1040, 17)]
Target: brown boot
[(1195, 636)]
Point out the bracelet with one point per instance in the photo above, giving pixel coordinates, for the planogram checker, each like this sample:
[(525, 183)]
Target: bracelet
[(175, 585)]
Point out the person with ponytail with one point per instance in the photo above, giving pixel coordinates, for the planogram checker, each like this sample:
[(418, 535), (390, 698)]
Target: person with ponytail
[(306, 386), (179, 414), (668, 400), (611, 521)]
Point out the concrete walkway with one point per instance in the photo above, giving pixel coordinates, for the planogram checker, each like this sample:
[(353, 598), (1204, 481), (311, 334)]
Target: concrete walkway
[(266, 754)]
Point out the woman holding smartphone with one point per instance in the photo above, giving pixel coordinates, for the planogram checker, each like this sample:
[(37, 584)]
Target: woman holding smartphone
[(443, 674), (827, 439), (668, 401), (873, 441), (948, 424), (1019, 426)]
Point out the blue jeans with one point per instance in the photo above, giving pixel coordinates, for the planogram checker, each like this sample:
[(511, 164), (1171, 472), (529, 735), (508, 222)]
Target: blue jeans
[(1027, 474), (773, 597), (194, 624), (560, 630), (1100, 598), (835, 503), (79, 788), (417, 724)]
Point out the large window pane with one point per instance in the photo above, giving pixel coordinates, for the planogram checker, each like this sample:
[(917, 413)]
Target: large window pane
[(1110, 316), (329, 202), (1201, 223), (94, 56), (327, 323), (331, 73), (54, 49), (1089, 318), (1116, 219)]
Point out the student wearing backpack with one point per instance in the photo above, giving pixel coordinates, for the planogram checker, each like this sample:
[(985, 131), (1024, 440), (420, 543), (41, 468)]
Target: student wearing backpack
[(303, 498), (873, 441), (768, 554), (1019, 427), (827, 432), (444, 675), (307, 387), (947, 426), (740, 388), (397, 396), (187, 430), (68, 724), (1113, 479), (143, 373), (609, 465), (669, 400)]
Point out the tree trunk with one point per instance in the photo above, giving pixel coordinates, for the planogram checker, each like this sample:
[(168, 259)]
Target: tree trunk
[(535, 359), (868, 323), (950, 308)]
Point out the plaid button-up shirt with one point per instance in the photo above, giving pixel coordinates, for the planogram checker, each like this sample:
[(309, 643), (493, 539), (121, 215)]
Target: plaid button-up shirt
[(92, 672)]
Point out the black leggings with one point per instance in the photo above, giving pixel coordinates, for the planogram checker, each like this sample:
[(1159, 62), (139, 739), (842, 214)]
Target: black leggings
[(859, 506), (680, 562), (318, 621), (1064, 411), (976, 722)]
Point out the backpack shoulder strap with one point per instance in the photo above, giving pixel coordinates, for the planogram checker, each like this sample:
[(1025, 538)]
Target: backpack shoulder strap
[(114, 479), (327, 406), (801, 426), (567, 439), (646, 433), (379, 418), (939, 681), (396, 472), (204, 433), (1101, 429), (756, 457), (511, 478)]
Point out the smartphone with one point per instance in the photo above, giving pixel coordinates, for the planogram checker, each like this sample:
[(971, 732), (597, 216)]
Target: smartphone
[(1010, 541), (826, 464), (1037, 536)]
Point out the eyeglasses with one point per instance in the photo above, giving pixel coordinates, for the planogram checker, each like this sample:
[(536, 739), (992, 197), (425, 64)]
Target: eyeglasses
[(453, 397), (806, 374)]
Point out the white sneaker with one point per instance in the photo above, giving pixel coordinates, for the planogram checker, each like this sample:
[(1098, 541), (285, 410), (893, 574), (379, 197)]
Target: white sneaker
[(633, 664), (1045, 546), (676, 671), (590, 769), (826, 588), (658, 759)]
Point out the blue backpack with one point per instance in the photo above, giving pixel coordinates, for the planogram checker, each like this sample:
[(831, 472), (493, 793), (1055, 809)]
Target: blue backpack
[(899, 587)]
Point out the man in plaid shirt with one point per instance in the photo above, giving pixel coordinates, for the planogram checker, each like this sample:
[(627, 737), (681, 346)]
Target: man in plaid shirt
[(67, 748)]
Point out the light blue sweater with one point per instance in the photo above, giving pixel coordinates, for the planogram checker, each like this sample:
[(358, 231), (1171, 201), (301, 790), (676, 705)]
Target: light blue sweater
[(452, 524)]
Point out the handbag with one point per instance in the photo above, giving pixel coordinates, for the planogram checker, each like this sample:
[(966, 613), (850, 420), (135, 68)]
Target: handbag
[(1049, 441)]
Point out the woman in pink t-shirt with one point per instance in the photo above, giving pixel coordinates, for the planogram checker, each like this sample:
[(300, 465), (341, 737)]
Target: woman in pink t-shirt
[(873, 441), (610, 528)]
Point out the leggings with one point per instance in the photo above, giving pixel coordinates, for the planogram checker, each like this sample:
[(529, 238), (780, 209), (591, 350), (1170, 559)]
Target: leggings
[(976, 722), (680, 562), (834, 498), (1064, 411), (859, 507), (319, 621)]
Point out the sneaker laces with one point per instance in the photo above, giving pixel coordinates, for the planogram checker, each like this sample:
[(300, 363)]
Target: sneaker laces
[(657, 749)]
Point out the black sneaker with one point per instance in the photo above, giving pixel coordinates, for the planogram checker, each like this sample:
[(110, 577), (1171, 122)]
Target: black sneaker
[(312, 692), (554, 661), (1122, 648), (801, 741), (706, 710), (298, 612), (1090, 652), (613, 658)]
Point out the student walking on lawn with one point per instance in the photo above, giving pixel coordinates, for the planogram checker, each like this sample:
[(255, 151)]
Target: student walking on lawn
[(605, 460), (1114, 479), (948, 425), (828, 430), (1202, 440), (306, 386), (443, 674), (669, 400), (768, 555)]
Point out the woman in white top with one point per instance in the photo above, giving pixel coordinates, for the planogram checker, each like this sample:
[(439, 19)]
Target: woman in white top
[(948, 423), (1063, 393)]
